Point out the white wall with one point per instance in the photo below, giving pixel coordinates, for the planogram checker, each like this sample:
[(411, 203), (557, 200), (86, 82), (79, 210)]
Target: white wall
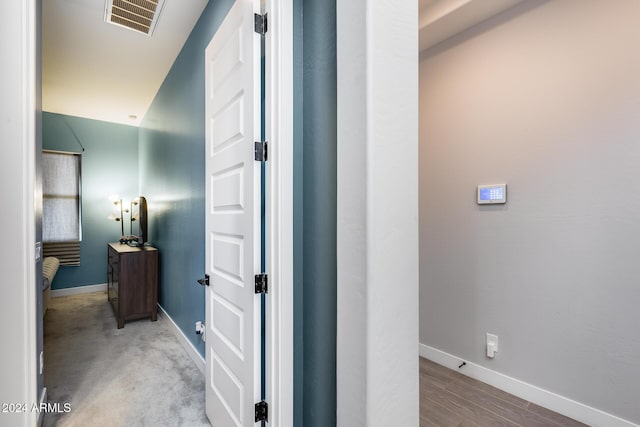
[(544, 98), (377, 214), (18, 383)]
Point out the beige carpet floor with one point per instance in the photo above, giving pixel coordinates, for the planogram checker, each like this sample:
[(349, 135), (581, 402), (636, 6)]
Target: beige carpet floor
[(136, 376)]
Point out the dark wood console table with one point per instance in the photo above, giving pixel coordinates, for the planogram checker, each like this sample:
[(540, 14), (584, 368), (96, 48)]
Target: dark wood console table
[(132, 275)]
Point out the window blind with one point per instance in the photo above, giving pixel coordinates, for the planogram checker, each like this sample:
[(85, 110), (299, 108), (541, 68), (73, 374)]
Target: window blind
[(61, 205)]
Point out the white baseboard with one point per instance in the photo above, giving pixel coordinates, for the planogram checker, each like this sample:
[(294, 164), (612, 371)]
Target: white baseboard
[(186, 344), (55, 293), (560, 404)]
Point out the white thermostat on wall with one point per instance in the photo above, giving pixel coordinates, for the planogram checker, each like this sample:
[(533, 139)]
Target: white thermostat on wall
[(492, 194)]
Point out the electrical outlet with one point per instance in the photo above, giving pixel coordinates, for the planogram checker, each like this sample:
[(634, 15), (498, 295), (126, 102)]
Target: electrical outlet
[(492, 345)]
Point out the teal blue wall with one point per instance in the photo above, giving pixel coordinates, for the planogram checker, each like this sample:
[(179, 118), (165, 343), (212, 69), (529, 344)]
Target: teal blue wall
[(109, 166), (172, 175), (315, 276)]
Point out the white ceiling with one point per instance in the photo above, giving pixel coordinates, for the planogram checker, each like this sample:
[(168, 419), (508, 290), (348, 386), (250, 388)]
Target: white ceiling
[(101, 71), (442, 19)]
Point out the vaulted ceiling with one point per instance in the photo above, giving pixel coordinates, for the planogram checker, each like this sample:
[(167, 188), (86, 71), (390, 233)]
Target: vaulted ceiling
[(97, 70)]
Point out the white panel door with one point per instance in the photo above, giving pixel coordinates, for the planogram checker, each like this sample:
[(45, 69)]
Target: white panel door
[(233, 219)]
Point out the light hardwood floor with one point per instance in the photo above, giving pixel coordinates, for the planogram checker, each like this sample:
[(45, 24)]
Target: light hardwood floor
[(448, 398)]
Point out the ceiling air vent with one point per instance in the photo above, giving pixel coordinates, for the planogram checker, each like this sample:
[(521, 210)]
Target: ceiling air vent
[(137, 15)]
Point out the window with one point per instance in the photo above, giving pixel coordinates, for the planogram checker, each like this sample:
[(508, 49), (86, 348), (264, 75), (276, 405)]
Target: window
[(61, 206)]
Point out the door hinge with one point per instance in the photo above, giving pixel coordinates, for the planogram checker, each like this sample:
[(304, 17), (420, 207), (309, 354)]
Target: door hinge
[(261, 283), (260, 23), (204, 281), (260, 150), (262, 411)]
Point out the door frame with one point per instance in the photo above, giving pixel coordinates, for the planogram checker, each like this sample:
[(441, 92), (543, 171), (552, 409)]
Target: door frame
[(278, 82), (18, 360), (279, 225), (279, 210)]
